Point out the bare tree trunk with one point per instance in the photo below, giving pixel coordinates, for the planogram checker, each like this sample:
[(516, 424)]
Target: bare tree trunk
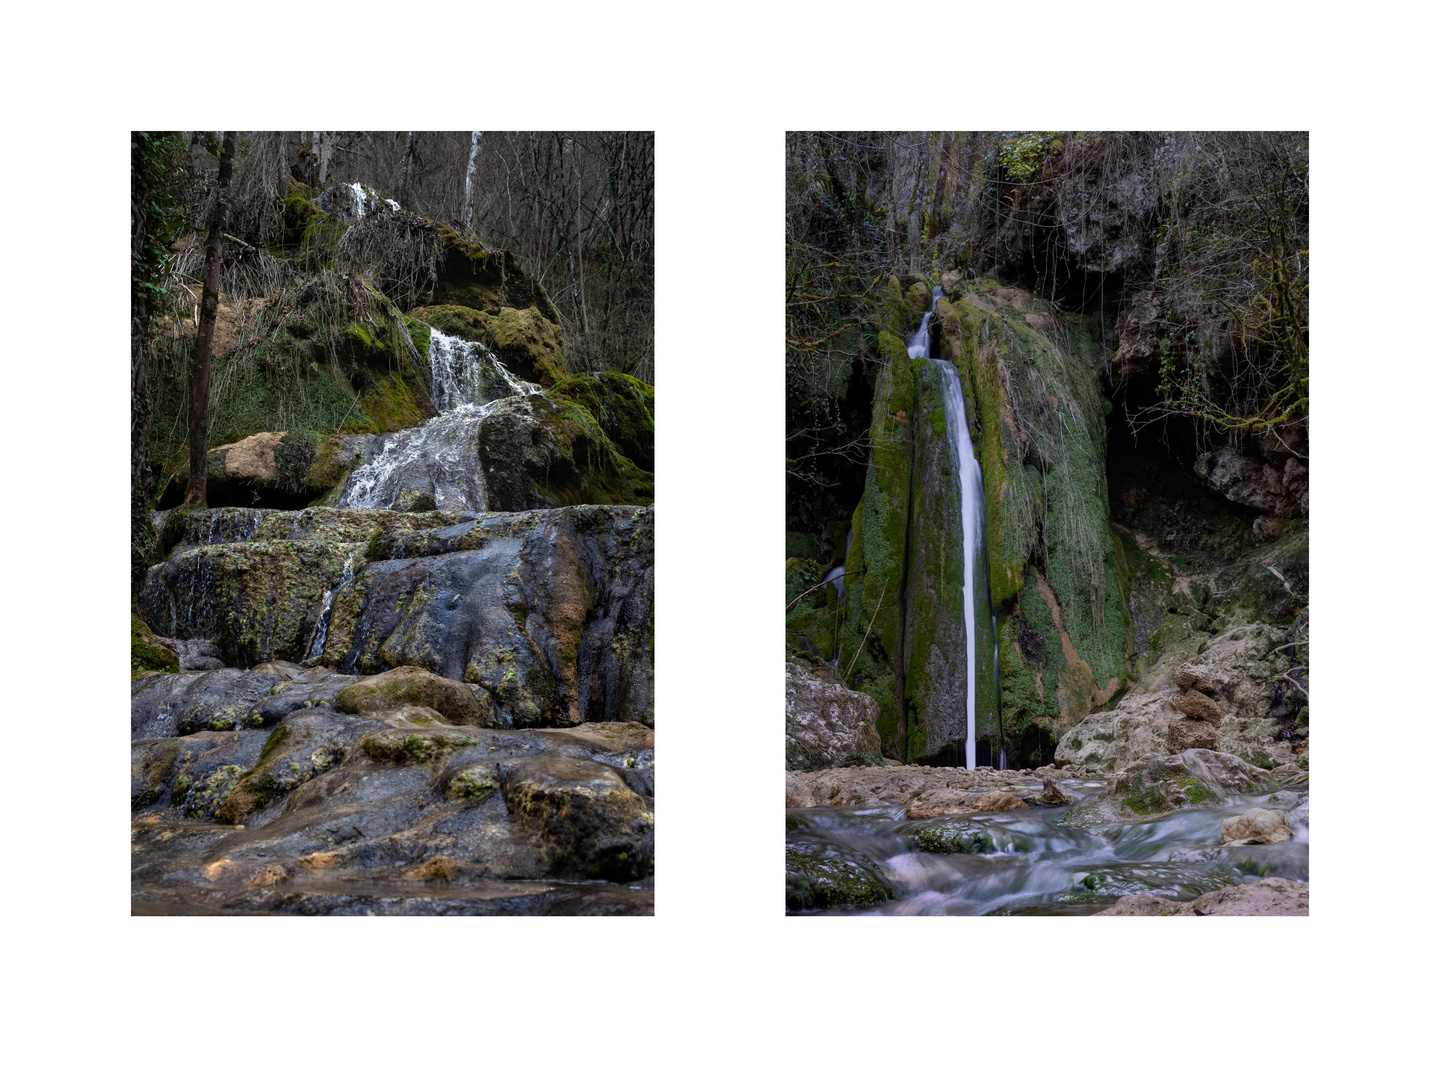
[(326, 148), (205, 333), (407, 171)]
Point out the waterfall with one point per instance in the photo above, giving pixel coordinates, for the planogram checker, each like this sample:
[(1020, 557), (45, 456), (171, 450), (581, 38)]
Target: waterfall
[(322, 621), (971, 485), (361, 197), (837, 574), (467, 373), (467, 382)]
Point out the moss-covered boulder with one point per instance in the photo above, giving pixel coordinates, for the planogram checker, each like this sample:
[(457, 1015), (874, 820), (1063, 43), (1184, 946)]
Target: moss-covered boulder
[(146, 655), (1158, 785), (277, 469), (472, 276), (622, 405), (816, 877), (458, 702), (589, 820), (542, 451)]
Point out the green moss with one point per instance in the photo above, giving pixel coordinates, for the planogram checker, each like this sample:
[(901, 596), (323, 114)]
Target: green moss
[(623, 407), (329, 465), (1195, 791), (820, 879), (146, 657), (473, 783), (871, 625), (401, 748), (948, 839), (389, 403), (1039, 431), (594, 470)]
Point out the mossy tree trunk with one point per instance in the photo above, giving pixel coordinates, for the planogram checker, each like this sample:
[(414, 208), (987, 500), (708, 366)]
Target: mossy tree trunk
[(205, 333)]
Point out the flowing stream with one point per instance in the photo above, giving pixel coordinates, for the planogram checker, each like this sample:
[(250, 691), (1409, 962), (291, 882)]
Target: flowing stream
[(1040, 862)]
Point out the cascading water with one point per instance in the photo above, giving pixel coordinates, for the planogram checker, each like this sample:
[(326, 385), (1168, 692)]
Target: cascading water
[(322, 621), (360, 197), (467, 383), (970, 484)]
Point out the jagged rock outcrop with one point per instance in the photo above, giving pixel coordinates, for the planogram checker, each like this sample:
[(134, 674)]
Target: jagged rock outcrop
[(1242, 664), (1251, 482), (549, 612)]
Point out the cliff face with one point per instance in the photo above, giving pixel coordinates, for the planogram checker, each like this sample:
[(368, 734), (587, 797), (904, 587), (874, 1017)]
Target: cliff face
[(1127, 315)]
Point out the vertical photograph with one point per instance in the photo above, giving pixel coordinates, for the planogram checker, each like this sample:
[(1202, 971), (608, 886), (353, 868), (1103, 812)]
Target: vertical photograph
[(392, 523), (1047, 503)]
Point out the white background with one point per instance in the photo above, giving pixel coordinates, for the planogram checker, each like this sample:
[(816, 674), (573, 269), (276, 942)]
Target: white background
[(719, 983)]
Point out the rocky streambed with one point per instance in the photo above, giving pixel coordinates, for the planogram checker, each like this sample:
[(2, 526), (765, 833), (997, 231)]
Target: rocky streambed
[(397, 713), (1197, 832)]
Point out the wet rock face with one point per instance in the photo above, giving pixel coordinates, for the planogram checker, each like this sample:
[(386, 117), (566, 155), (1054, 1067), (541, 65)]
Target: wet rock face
[(197, 655), (392, 805), (826, 725), (590, 821), (548, 612)]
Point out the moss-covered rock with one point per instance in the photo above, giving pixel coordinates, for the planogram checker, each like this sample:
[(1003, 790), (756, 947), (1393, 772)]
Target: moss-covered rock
[(622, 405), (472, 276), (1041, 441), (458, 702), (818, 878), (543, 451), (1157, 785), (147, 657), (589, 820), (415, 748), (302, 747)]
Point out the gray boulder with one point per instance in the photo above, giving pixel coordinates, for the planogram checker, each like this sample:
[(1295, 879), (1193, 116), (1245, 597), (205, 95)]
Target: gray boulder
[(1158, 785), (827, 725)]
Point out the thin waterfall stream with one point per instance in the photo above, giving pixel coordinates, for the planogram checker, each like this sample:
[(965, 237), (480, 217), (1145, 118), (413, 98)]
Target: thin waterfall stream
[(971, 495)]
